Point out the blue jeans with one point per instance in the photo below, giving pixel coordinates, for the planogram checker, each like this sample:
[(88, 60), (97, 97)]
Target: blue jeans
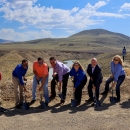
[(119, 82), (45, 89)]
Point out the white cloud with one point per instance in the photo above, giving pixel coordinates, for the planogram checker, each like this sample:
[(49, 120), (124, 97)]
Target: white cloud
[(125, 6), (24, 12), (10, 34)]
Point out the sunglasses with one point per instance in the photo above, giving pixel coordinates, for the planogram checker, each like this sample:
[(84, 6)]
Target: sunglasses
[(40, 63), (52, 62), (116, 60)]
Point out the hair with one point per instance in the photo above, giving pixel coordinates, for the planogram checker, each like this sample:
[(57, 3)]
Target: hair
[(77, 62), (24, 60), (120, 59), (52, 58), (39, 58), (94, 59)]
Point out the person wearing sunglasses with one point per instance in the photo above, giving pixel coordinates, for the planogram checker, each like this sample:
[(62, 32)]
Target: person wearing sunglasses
[(79, 77), (95, 74), (117, 76), (40, 70), (60, 75), (18, 78)]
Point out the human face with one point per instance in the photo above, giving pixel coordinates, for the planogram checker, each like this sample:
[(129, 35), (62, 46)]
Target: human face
[(53, 63), (25, 64), (76, 67), (40, 62), (116, 60), (93, 63)]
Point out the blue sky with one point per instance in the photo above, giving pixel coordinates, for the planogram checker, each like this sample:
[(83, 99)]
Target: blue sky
[(22, 20)]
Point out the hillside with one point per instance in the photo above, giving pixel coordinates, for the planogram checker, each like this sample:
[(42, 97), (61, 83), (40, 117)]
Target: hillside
[(90, 40), (4, 41)]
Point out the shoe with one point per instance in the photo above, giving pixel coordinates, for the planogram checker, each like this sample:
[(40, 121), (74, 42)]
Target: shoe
[(117, 100), (90, 100), (18, 106), (46, 104), (33, 101), (104, 93), (51, 97), (78, 103), (62, 102)]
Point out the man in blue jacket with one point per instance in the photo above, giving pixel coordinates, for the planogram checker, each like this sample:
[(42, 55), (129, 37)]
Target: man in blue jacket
[(94, 71), (18, 78)]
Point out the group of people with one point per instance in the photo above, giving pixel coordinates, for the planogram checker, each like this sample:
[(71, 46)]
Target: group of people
[(61, 75)]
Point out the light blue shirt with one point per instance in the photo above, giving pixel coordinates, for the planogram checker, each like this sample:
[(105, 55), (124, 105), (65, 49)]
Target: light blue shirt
[(117, 70)]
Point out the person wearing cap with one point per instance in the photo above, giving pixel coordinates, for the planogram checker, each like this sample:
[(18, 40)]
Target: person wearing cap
[(40, 70), (61, 75), (18, 78), (95, 74)]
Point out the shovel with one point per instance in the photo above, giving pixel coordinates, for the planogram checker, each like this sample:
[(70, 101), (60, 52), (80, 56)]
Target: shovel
[(73, 101), (25, 105), (43, 105), (96, 102), (112, 98), (59, 91)]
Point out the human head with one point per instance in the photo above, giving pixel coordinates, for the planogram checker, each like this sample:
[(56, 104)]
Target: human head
[(124, 47), (117, 59), (24, 63), (93, 62), (53, 61), (77, 65), (40, 60)]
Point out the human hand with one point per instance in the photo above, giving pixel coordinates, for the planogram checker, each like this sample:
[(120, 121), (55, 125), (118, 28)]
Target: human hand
[(74, 89)]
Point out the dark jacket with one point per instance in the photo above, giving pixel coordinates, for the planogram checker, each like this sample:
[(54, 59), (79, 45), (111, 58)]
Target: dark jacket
[(96, 75)]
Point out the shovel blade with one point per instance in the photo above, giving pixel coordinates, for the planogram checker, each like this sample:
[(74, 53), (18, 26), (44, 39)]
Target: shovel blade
[(73, 103), (97, 103), (25, 106), (43, 105), (113, 99)]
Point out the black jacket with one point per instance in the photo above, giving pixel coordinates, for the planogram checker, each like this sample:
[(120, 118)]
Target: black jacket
[(96, 75)]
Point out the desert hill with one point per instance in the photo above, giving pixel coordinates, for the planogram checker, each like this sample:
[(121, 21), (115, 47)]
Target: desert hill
[(95, 39)]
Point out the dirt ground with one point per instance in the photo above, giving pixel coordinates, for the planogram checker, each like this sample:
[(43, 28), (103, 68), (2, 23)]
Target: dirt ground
[(107, 117)]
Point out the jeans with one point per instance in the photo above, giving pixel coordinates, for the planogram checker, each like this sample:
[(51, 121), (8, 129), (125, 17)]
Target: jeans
[(64, 85), (119, 82), (45, 89), (78, 90)]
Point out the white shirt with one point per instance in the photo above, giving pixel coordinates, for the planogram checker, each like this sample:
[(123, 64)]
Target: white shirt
[(93, 69)]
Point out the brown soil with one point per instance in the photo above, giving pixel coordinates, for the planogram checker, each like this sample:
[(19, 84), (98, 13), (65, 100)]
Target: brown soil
[(107, 117)]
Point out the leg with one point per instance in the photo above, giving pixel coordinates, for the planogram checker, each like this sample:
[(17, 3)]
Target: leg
[(107, 84), (90, 90), (119, 82), (53, 85), (34, 88), (79, 90), (16, 92), (97, 89), (64, 85), (45, 90), (21, 93)]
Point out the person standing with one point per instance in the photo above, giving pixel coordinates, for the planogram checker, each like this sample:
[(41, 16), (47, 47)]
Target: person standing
[(61, 75), (95, 74), (123, 53), (18, 78), (79, 77), (117, 76), (40, 70)]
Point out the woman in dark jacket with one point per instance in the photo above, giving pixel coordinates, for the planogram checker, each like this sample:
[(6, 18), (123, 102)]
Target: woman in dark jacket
[(78, 74)]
